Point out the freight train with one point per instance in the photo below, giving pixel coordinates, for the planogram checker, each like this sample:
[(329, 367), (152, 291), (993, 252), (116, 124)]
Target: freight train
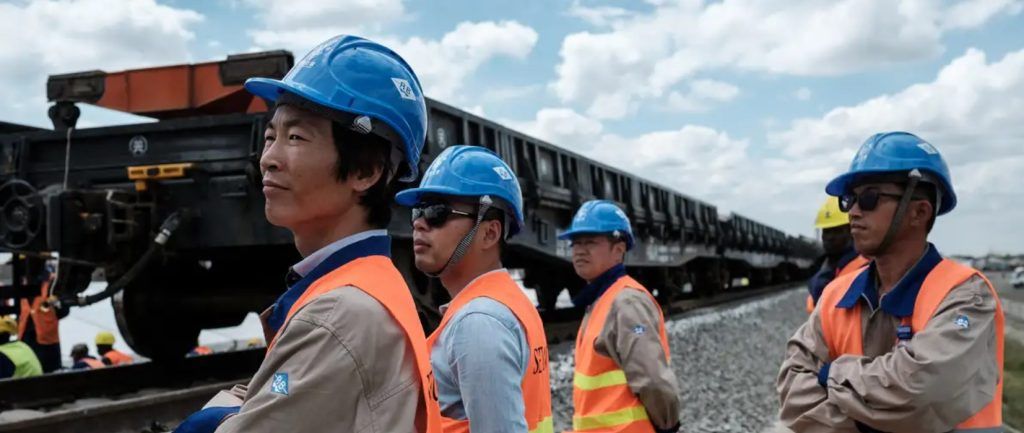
[(171, 210)]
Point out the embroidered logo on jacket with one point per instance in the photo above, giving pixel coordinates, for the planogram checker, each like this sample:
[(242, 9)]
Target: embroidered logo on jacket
[(280, 384)]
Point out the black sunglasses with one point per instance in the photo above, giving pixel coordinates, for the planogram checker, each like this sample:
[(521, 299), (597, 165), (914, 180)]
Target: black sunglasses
[(868, 199), (436, 215)]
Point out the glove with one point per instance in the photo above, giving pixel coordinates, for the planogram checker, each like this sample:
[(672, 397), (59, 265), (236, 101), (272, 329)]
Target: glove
[(206, 420), (672, 429)]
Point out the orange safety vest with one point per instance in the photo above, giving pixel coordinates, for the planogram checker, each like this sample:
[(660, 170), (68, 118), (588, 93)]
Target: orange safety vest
[(117, 357), (44, 318), (93, 363), (854, 265), (842, 329), (536, 383), (601, 395), (376, 276)]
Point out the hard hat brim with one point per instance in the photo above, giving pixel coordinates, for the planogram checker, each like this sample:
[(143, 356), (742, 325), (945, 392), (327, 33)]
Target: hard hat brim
[(568, 234), (842, 183), (413, 196)]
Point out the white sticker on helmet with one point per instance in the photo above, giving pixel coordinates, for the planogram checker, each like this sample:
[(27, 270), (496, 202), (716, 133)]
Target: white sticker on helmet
[(502, 172), (927, 147), (404, 89)]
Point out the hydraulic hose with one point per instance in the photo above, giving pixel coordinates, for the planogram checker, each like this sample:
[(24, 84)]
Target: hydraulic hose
[(167, 229)]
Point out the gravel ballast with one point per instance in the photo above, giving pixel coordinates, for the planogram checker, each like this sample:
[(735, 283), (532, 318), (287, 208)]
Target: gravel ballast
[(726, 359)]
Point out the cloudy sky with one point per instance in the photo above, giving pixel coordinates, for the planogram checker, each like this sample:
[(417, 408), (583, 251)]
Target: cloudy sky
[(750, 104)]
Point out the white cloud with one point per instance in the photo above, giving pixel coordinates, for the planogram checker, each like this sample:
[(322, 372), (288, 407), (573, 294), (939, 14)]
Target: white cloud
[(970, 14), (442, 64), (41, 38), (596, 15), (299, 25), (562, 127), (973, 112), (644, 56), (702, 94), (802, 94)]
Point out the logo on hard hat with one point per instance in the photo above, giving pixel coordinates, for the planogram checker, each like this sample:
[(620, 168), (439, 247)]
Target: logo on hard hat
[(502, 172), (928, 148), (404, 89)]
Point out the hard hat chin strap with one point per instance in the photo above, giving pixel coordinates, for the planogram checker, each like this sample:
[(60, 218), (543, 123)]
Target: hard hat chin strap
[(901, 210), (463, 246)]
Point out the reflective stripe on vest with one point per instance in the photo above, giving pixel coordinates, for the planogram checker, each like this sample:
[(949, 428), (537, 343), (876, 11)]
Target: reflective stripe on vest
[(376, 276), (841, 327), (850, 268), (601, 396), (26, 364), (44, 318), (536, 383), (117, 357)]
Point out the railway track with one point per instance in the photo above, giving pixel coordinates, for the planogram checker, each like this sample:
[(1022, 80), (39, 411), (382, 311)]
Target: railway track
[(153, 397)]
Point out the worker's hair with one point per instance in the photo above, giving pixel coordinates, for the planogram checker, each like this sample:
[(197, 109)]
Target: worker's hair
[(360, 154)]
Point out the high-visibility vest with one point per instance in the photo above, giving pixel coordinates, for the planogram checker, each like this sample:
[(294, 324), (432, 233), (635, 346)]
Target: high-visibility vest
[(44, 317), (536, 383), (601, 396), (854, 265), (117, 357), (26, 363), (842, 329), (376, 276)]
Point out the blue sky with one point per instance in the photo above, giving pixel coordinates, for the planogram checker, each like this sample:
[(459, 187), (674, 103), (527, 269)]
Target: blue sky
[(750, 104)]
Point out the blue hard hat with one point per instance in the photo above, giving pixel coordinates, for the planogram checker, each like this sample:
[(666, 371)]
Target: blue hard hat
[(600, 217), (469, 171), (362, 78), (893, 153)]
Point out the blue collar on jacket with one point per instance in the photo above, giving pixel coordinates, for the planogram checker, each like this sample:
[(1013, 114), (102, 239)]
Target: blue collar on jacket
[(372, 246), (596, 288), (899, 302)]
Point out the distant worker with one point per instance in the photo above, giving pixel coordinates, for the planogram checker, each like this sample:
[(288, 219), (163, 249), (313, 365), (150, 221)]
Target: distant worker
[(623, 380), (199, 350), (489, 354), (109, 355), (913, 342), (81, 360), (254, 342), (16, 358), (840, 257), (346, 350), (38, 322)]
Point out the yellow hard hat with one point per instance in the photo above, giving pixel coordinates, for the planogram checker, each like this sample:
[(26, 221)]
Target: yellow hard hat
[(830, 216), (105, 338), (8, 325)]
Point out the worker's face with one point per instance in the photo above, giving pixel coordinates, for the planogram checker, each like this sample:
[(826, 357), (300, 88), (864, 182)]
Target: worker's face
[(836, 239), (300, 173), (868, 227), (442, 225), (592, 255)]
